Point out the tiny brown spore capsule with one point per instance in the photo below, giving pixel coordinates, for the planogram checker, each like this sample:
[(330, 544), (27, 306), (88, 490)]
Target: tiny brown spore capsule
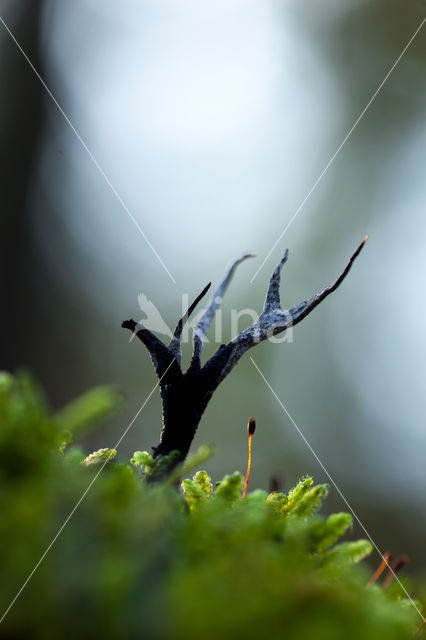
[(251, 427)]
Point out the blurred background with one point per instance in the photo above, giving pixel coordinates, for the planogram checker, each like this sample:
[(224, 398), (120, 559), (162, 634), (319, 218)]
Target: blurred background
[(212, 121)]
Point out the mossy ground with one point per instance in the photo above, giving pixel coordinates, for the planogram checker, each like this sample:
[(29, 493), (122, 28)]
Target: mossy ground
[(148, 560)]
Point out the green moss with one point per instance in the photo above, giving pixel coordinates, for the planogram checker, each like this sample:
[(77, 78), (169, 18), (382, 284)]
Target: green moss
[(100, 456), (145, 560)]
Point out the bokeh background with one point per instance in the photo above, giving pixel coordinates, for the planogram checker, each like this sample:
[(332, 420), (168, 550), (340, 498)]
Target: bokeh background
[(212, 121)]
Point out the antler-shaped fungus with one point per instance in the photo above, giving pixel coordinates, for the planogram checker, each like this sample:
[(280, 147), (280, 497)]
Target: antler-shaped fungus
[(185, 395)]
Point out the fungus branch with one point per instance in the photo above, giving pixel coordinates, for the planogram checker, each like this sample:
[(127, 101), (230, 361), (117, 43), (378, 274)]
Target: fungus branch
[(185, 395), (208, 315), (175, 344)]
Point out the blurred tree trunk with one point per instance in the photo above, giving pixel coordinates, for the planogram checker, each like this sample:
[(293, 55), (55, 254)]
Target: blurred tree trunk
[(21, 123)]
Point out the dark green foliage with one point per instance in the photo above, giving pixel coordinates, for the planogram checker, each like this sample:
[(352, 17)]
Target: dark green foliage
[(142, 560)]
